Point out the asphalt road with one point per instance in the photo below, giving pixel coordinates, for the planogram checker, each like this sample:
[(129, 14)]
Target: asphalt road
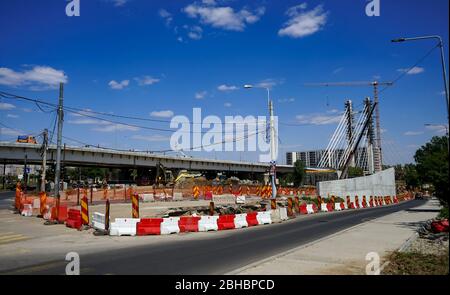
[(221, 254), (6, 199)]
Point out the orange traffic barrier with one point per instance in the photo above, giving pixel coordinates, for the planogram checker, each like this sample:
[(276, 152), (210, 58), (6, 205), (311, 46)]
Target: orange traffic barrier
[(135, 206), (196, 192), (42, 203), (290, 212), (85, 210), (297, 204), (273, 204)]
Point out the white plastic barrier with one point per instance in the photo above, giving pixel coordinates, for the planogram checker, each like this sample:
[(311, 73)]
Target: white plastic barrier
[(170, 226), (48, 213), (225, 198), (240, 220), (27, 210), (323, 208), (207, 223), (98, 221), (147, 198), (310, 209), (275, 215), (345, 206), (178, 196), (36, 203), (283, 213), (124, 227), (264, 217), (337, 206), (240, 199)]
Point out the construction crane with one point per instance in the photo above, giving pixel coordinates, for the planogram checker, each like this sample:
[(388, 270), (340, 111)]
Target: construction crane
[(375, 85)]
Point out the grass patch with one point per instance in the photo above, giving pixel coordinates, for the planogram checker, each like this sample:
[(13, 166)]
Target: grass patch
[(443, 213), (413, 263)]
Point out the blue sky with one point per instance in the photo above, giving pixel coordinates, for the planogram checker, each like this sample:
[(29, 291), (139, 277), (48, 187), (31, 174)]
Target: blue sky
[(156, 59)]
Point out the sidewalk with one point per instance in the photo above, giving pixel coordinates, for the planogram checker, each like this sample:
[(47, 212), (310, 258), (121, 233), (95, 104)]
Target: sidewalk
[(344, 252)]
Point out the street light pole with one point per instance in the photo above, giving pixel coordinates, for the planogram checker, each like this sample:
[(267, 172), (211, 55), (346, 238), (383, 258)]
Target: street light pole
[(444, 71), (272, 140), (58, 147)]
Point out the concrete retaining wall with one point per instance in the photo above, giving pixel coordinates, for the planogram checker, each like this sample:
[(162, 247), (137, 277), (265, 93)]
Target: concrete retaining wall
[(378, 184)]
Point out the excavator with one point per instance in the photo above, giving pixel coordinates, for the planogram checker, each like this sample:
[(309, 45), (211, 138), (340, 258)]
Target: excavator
[(163, 176)]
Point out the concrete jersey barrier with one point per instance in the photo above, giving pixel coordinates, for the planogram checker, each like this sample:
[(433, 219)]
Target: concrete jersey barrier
[(240, 220), (170, 226), (208, 223), (124, 227), (264, 217)]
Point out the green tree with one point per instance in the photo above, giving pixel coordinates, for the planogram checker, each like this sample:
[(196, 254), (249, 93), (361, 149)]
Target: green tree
[(432, 166), (355, 172), (411, 176), (299, 173)]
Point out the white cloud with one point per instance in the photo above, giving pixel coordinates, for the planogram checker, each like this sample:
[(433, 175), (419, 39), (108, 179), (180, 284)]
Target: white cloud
[(8, 131), (223, 17), (286, 100), (227, 105), (412, 133), (338, 70), (412, 71), (38, 78), (100, 125), (200, 95), (209, 2), (115, 127), (162, 114), (147, 80), (4, 106), (303, 23), (151, 138), (27, 110), (270, 83), (194, 32), (224, 87), (118, 3), (318, 119), (437, 128), (119, 85), (167, 16), (12, 116), (87, 121)]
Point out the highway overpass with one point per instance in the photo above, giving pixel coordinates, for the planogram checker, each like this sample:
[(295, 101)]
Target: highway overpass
[(16, 153)]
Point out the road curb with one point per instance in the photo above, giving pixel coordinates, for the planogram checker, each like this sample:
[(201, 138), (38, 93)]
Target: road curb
[(254, 264)]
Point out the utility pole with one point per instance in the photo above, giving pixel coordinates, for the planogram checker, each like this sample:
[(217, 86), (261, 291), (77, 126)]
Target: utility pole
[(44, 159), (59, 142)]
